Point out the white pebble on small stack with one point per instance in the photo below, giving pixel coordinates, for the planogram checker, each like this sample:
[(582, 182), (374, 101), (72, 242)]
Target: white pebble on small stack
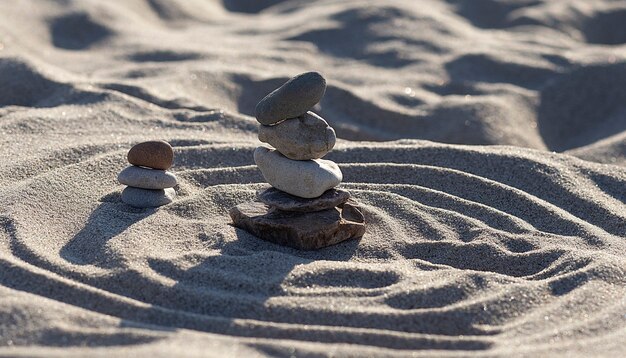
[(302, 210), (149, 182)]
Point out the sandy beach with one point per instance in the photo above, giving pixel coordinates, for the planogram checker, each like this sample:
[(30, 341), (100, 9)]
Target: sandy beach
[(485, 139)]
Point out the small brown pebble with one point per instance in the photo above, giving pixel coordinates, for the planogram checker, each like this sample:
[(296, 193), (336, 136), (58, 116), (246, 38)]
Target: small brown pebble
[(156, 154)]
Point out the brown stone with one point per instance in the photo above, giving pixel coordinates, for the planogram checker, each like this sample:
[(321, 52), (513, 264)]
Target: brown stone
[(155, 154), (283, 201), (304, 231)]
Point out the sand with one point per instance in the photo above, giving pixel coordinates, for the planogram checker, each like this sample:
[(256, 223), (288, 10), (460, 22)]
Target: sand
[(486, 140)]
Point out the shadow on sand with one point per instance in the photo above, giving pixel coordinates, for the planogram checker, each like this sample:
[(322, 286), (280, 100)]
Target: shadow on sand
[(109, 219), (239, 280)]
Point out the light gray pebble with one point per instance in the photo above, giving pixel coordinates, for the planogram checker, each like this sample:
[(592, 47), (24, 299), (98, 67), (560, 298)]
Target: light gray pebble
[(147, 178), (147, 198)]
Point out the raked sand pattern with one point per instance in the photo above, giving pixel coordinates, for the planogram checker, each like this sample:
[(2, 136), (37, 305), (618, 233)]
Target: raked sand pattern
[(516, 249)]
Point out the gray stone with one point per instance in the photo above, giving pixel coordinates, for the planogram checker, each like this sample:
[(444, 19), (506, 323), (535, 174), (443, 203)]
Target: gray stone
[(303, 178), (282, 201), (146, 178), (292, 99), (304, 231), (302, 138), (147, 198)]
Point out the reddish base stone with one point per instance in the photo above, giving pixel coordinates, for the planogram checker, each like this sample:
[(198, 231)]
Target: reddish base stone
[(304, 231)]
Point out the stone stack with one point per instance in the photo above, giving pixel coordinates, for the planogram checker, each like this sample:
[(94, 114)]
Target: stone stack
[(149, 182), (303, 209)]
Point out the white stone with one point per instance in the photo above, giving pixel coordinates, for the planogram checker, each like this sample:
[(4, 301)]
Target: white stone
[(302, 178)]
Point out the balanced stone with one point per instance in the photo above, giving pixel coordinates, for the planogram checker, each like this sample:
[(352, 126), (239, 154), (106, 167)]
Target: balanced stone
[(146, 178), (292, 99), (146, 198), (303, 178), (304, 231), (152, 154), (282, 201), (302, 138)]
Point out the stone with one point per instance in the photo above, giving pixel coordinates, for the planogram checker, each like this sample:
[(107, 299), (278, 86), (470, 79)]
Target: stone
[(155, 154), (282, 201), (139, 177), (292, 99), (303, 231), (147, 198), (302, 178), (302, 138)]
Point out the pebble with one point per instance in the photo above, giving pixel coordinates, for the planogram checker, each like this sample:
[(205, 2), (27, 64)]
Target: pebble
[(303, 231), (146, 198), (306, 137), (292, 99), (282, 201), (302, 178), (152, 154), (146, 178)]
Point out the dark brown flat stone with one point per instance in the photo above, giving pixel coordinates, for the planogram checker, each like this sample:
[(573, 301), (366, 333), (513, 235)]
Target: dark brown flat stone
[(283, 201), (304, 231)]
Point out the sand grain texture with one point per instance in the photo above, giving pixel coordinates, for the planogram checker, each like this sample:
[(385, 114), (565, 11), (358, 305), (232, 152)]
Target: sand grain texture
[(485, 140)]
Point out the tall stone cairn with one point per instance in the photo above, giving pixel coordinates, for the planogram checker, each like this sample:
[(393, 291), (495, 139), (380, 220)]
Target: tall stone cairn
[(303, 209)]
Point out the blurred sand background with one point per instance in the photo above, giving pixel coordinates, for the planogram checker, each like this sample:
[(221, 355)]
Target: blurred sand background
[(485, 138)]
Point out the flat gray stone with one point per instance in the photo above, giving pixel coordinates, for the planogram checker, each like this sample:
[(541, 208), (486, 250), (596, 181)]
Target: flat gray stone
[(282, 201), (306, 137), (302, 178), (303, 231), (147, 198), (292, 99), (144, 178)]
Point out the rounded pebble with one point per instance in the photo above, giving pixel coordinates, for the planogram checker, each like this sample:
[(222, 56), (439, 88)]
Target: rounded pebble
[(147, 198), (306, 137), (155, 154), (302, 178), (139, 177), (292, 99)]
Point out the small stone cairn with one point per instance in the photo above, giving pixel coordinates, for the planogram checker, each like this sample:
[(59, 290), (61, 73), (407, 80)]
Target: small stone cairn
[(302, 209), (149, 182)]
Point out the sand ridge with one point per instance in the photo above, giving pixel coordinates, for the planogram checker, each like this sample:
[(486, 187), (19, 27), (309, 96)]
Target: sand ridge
[(509, 240)]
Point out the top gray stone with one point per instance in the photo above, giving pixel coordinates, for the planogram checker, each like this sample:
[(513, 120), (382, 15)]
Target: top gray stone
[(292, 99)]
